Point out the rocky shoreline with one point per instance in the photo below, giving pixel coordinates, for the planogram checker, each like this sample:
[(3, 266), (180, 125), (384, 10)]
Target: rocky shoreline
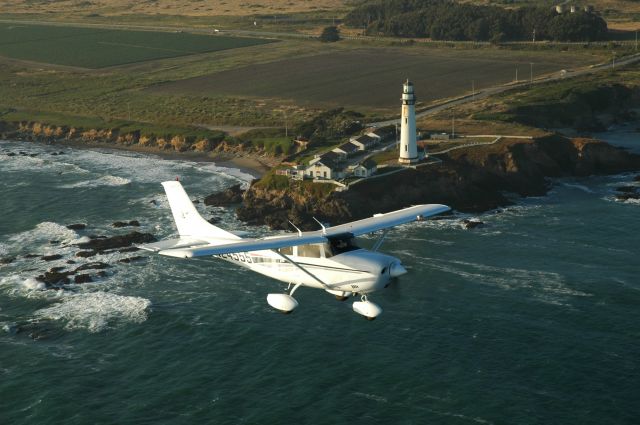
[(469, 180), (173, 147)]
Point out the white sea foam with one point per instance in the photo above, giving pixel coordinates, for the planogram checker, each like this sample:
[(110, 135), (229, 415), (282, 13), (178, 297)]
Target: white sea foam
[(45, 232), (97, 311), (32, 284), (107, 180)]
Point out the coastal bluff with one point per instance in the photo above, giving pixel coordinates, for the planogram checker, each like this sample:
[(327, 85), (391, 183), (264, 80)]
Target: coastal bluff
[(476, 179)]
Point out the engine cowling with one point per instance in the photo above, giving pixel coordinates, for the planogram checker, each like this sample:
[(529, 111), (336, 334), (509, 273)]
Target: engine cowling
[(282, 302), (397, 270), (367, 309)]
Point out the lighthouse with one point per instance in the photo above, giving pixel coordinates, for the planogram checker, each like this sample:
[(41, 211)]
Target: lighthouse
[(408, 145)]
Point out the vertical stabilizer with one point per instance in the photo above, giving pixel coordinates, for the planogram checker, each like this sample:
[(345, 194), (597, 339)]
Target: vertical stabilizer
[(188, 221)]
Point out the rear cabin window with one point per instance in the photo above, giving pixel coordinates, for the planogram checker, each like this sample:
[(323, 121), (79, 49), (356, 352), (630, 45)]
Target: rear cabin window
[(286, 250), (312, 251)]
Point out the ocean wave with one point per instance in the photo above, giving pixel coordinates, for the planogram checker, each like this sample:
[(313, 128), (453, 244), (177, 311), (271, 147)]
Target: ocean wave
[(579, 187), (545, 285), (96, 311)]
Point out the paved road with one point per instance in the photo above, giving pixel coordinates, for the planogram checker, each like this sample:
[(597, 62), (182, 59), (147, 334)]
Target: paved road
[(502, 88)]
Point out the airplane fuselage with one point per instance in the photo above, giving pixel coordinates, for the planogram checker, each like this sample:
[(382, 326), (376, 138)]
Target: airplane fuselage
[(357, 271)]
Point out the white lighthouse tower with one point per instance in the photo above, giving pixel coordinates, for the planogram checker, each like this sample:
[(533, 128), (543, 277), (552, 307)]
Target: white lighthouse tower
[(408, 145)]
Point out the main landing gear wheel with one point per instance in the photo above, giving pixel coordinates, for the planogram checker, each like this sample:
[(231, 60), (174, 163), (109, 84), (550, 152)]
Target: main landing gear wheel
[(284, 303), (367, 308)]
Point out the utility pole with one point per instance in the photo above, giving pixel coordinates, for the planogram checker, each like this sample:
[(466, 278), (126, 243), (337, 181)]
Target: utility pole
[(286, 127), (473, 90), (516, 74), (531, 63), (453, 127)]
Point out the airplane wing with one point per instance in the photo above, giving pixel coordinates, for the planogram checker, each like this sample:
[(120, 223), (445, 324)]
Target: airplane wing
[(391, 219), (360, 227)]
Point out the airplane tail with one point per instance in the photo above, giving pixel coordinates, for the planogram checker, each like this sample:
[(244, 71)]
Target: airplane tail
[(188, 221)]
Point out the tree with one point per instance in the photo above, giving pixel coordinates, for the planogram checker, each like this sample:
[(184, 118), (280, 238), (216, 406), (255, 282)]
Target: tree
[(330, 34)]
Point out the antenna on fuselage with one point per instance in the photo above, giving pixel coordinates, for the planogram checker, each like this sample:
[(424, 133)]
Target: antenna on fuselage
[(296, 227), (324, 229)]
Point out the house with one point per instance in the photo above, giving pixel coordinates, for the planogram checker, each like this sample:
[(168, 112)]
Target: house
[(329, 156), (346, 149), (365, 169), (324, 168), (363, 142)]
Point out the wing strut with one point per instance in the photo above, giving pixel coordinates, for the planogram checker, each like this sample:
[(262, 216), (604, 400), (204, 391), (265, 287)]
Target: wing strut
[(378, 243), (289, 260)]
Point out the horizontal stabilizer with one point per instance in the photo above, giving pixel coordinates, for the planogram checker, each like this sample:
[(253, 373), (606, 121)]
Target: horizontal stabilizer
[(173, 243)]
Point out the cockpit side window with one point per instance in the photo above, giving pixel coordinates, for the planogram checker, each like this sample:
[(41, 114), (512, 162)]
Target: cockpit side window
[(339, 245)]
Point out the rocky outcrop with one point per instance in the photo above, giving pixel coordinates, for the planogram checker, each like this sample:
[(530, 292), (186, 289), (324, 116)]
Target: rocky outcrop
[(120, 241), (230, 196), (469, 180)]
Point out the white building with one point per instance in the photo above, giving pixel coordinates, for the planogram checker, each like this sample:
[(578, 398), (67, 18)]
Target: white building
[(365, 169), (408, 143)]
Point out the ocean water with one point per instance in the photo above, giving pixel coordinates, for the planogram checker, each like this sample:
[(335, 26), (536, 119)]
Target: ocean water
[(532, 319)]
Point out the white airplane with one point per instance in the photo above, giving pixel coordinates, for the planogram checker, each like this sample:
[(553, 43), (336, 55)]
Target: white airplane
[(326, 259)]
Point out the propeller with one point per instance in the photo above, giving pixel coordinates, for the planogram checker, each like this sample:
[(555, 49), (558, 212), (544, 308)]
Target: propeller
[(395, 270)]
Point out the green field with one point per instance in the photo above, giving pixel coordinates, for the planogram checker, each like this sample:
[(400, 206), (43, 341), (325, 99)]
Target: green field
[(99, 48), (370, 79)]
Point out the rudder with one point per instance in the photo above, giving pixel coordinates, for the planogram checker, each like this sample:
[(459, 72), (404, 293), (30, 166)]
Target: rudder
[(188, 221)]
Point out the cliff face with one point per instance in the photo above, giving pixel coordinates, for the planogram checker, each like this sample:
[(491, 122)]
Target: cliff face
[(41, 132), (470, 180)]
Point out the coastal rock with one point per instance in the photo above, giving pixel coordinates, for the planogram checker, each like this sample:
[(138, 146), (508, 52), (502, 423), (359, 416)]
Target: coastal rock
[(86, 254), (131, 259), (133, 223), (119, 241), (637, 178), (471, 224), (76, 226), (55, 278), (92, 266), (230, 196), (627, 196), (627, 189), (129, 249), (51, 257), (7, 260), (83, 278)]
